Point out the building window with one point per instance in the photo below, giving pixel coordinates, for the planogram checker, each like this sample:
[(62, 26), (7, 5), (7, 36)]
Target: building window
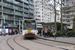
[(37, 15), (37, 5), (37, 2), (37, 12), (68, 25), (37, 9), (27, 0), (31, 0)]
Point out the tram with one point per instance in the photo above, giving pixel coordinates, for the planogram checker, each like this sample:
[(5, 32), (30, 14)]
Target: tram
[(29, 28)]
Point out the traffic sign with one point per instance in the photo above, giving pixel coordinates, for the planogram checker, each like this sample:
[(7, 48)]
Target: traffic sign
[(5, 24)]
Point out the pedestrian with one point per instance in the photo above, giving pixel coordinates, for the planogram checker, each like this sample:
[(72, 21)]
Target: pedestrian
[(54, 33), (45, 34), (65, 29), (39, 31), (48, 32)]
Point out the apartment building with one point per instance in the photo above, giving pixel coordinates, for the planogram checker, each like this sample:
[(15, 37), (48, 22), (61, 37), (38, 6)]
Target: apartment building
[(14, 10), (68, 12), (44, 11)]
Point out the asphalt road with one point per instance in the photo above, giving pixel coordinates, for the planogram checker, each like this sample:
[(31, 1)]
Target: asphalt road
[(17, 42)]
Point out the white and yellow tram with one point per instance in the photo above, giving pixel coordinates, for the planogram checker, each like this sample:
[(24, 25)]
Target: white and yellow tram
[(29, 28)]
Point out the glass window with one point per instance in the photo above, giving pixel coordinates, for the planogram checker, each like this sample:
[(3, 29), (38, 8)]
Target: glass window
[(29, 24), (46, 26), (37, 9), (37, 15), (37, 2), (37, 12)]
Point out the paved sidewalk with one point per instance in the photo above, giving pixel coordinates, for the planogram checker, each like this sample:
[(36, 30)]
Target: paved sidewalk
[(70, 40), (1, 38)]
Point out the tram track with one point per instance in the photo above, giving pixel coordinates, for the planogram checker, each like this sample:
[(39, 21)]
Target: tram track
[(48, 44), (15, 43), (9, 44), (12, 48), (19, 44)]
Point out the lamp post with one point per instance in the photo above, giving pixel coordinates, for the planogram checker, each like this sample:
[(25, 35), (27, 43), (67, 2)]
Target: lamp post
[(19, 26), (3, 19)]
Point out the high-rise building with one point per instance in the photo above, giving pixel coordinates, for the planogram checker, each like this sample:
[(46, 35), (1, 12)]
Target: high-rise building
[(14, 10), (68, 12), (44, 11)]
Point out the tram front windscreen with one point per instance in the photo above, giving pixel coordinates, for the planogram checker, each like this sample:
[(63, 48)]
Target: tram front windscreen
[(29, 24)]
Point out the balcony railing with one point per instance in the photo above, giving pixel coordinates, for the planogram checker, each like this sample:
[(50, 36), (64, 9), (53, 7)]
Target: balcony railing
[(26, 10), (31, 7), (26, 15), (7, 5), (31, 2), (8, 11), (26, 6), (9, 18), (18, 13), (25, 1), (31, 11), (9, 0), (18, 3)]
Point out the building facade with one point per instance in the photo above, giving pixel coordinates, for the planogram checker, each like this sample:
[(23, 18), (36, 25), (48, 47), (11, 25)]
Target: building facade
[(68, 12), (14, 10), (44, 11)]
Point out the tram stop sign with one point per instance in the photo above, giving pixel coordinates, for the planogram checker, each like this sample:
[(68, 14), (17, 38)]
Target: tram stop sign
[(5, 24)]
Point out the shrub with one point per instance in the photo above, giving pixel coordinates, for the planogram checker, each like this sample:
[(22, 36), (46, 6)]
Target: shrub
[(60, 33), (71, 33)]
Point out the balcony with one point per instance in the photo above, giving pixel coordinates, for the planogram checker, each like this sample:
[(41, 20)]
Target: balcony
[(31, 16), (25, 1), (7, 5), (8, 11), (26, 15), (31, 7), (19, 14), (11, 1), (26, 6), (18, 3), (16, 18), (32, 3), (26, 11), (31, 11), (9, 18)]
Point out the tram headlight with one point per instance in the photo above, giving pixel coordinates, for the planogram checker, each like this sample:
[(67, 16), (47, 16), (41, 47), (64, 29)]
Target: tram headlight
[(33, 33), (26, 33)]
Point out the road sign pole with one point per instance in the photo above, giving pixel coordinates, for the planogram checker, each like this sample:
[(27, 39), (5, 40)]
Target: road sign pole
[(4, 26), (19, 26)]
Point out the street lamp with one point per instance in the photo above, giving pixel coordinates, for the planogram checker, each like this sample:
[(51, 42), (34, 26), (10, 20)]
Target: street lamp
[(19, 26), (3, 18)]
